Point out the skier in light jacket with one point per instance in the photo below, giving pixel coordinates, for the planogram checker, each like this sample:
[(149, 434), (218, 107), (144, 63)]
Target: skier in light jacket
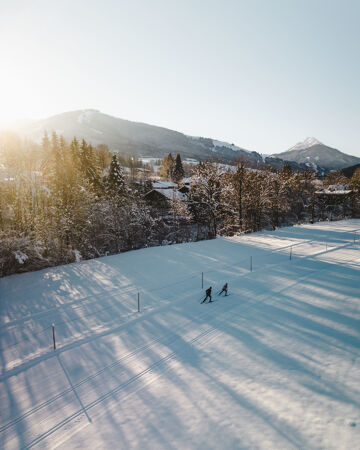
[(224, 289)]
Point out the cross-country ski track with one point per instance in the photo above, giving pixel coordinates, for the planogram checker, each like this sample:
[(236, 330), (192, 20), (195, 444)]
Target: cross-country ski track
[(275, 365)]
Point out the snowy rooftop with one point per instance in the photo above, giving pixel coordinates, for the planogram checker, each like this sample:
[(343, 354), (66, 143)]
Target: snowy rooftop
[(164, 184), (187, 180), (171, 194), (332, 192), (338, 187)]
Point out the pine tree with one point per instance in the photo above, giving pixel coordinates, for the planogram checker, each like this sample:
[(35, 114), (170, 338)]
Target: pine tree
[(54, 165), (115, 184), (89, 168), (178, 171), (75, 152)]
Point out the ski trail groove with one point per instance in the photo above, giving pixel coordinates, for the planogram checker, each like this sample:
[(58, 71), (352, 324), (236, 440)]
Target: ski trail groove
[(164, 339), (120, 387)]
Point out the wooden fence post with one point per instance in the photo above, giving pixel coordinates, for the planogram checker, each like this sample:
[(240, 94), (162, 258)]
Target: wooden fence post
[(53, 333)]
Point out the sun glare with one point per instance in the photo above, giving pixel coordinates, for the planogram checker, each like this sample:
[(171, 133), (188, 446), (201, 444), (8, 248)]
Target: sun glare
[(9, 105), (20, 96)]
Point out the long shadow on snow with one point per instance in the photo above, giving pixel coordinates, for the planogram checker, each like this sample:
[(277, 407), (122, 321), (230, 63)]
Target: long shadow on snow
[(275, 317)]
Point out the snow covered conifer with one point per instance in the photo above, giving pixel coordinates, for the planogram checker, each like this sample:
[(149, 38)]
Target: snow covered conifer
[(115, 183), (178, 172)]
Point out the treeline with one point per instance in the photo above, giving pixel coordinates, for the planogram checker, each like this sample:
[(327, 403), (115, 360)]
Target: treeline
[(62, 202), (247, 200)]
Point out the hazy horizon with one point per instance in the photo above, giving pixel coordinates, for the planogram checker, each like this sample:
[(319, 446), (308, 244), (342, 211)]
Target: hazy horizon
[(263, 75)]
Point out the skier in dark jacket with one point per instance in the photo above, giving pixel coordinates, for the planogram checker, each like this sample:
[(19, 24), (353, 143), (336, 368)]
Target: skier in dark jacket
[(224, 289), (208, 294)]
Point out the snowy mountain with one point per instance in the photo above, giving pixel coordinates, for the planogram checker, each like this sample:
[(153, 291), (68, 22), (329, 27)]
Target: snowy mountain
[(308, 142), (130, 137), (149, 141), (140, 139), (275, 365), (317, 155)]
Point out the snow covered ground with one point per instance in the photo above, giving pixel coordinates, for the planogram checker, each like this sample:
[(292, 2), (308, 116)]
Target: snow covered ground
[(275, 365)]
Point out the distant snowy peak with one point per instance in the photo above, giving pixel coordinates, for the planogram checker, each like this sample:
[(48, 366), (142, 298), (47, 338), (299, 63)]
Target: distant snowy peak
[(309, 142), (314, 154)]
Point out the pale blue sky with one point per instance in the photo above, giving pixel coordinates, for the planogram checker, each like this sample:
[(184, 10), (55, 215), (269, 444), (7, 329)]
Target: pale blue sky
[(262, 74)]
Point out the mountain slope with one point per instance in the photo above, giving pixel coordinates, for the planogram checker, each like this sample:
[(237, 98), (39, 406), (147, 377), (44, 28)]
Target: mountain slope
[(141, 139), (316, 154), (130, 137)]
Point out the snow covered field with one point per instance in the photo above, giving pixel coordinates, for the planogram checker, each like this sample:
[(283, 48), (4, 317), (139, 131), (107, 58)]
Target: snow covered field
[(273, 366)]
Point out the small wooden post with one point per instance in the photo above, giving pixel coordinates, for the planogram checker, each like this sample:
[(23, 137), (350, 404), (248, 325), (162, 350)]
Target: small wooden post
[(250, 263), (202, 280), (53, 332), (138, 301)]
